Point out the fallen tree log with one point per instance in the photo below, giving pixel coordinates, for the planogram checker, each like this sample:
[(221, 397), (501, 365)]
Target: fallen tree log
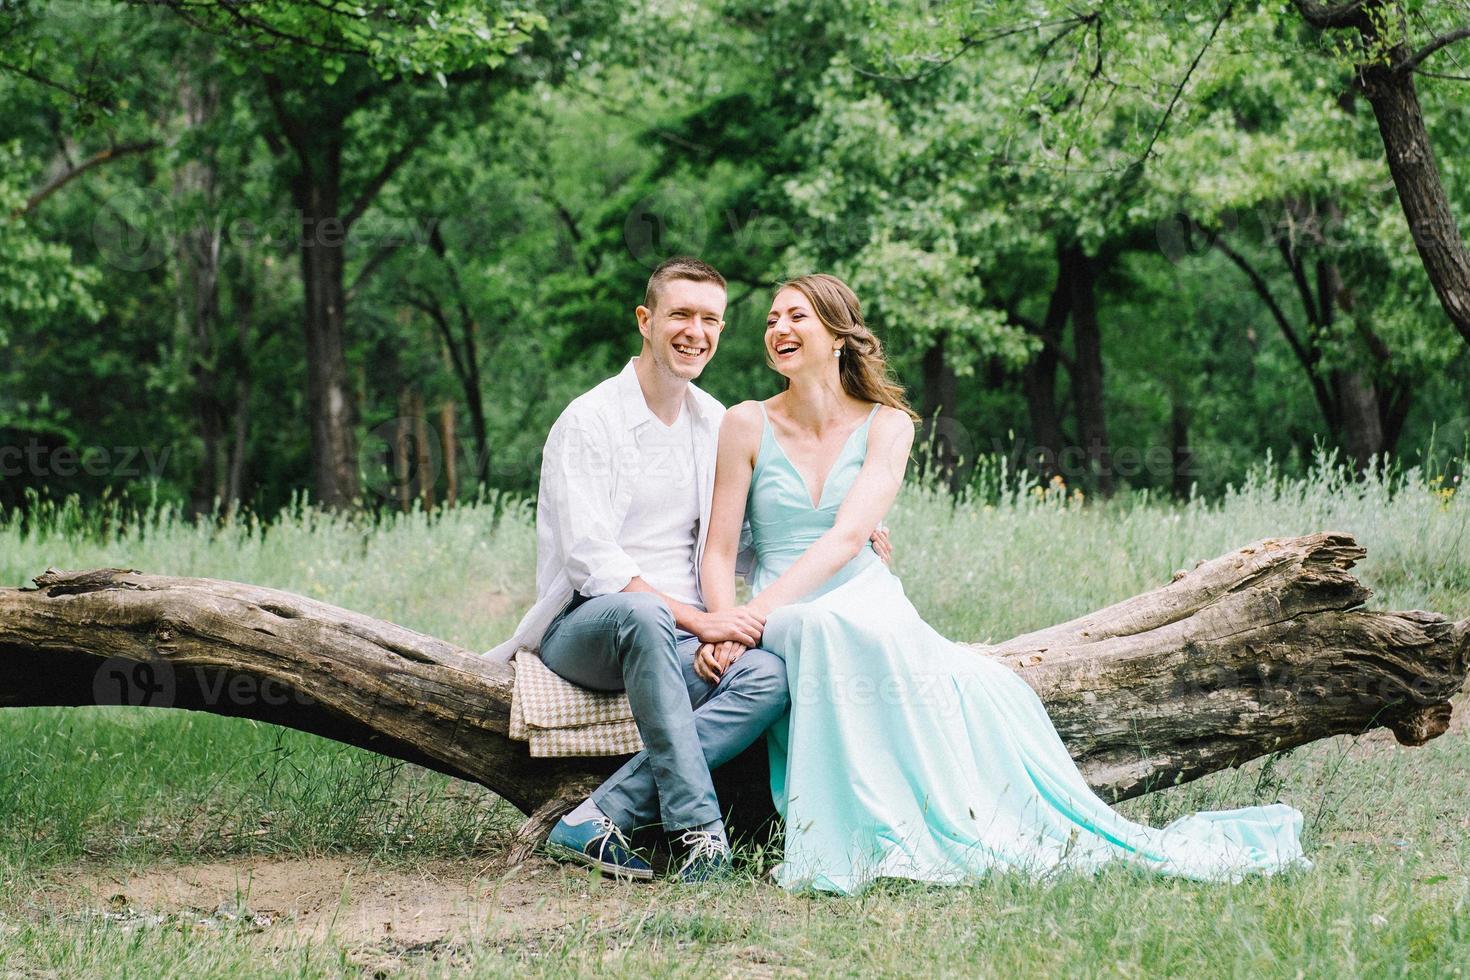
[(1251, 653)]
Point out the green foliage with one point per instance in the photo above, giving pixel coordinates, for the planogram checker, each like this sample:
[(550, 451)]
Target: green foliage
[(935, 155), (397, 38), (37, 277)]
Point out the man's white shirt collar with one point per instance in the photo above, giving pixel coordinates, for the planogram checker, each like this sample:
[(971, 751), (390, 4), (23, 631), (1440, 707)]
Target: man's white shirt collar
[(705, 410)]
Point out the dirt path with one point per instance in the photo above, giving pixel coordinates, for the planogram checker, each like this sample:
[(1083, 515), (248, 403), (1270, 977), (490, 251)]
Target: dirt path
[(349, 899)]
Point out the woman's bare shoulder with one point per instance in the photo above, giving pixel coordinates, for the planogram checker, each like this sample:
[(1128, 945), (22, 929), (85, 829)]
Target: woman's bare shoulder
[(894, 424), (891, 417), (742, 421)]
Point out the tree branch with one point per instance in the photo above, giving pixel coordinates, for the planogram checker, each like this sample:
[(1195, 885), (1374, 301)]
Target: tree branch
[(95, 160), (370, 266), (1326, 16), (1299, 277), (1444, 40), (968, 43), (290, 126), (431, 308), (375, 183), (1444, 76), (1263, 290), (1257, 651), (31, 75), (1179, 89)]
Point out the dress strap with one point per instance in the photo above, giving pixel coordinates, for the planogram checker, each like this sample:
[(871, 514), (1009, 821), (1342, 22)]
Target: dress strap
[(768, 434), (766, 416)]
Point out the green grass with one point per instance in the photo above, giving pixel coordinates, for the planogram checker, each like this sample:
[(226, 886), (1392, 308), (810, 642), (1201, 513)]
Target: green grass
[(1388, 828)]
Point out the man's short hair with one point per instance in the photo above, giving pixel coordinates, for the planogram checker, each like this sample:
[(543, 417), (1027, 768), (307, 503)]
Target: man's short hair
[(679, 267)]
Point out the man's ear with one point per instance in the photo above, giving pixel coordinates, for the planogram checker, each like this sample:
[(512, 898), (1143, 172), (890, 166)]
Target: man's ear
[(643, 314)]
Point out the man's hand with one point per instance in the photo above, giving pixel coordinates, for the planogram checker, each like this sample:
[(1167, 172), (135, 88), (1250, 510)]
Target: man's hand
[(882, 545), (740, 625), (713, 659)]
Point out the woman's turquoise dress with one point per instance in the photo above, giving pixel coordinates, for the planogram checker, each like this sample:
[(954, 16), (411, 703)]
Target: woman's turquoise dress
[(905, 755)]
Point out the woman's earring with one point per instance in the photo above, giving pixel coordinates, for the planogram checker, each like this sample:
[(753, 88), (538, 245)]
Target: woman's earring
[(837, 352)]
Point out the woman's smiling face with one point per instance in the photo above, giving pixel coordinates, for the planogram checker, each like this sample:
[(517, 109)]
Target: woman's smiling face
[(796, 340)]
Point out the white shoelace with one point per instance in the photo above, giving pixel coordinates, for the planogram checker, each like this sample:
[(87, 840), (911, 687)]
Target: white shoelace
[(611, 829), (703, 844)]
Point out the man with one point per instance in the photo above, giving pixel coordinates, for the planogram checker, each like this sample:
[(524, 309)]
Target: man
[(626, 484)]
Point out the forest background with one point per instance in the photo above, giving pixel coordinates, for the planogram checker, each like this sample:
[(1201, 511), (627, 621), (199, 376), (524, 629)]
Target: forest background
[(367, 253)]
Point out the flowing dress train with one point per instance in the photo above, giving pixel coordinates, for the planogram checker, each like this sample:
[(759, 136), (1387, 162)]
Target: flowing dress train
[(906, 755)]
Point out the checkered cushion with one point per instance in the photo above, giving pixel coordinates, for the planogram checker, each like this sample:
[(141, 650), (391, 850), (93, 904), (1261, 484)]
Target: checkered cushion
[(559, 718)]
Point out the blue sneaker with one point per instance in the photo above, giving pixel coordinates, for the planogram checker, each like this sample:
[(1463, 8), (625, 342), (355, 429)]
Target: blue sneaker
[(706, 858), (597, 843)]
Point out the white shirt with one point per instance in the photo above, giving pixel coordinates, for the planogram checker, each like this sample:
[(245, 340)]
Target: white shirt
[(662, 525), (588, 480)]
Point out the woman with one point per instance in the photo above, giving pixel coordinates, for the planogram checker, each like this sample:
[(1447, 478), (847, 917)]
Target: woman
[(904, 754)]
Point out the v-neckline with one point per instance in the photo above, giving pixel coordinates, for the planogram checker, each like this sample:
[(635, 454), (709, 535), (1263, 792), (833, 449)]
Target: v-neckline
[(827, 477)]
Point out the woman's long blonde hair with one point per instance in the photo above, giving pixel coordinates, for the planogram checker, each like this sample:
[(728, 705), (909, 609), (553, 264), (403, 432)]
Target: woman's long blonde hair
[(862, 366)]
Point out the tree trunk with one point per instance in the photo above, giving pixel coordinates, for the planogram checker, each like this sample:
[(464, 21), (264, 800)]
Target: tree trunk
[(450, 443), (423, 467), (404, 454), (309, 134), (244, 314), (1388, 82), (1180, 455), (464, 357), (937, 442), (195, 186), (1421, 192), (1360, 429), (1255, 652), (1371, 401), (1087, 374), (329, 404), (1040, 383)]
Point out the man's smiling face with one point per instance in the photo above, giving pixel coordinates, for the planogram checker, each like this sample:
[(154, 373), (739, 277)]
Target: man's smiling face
[(681, 332)]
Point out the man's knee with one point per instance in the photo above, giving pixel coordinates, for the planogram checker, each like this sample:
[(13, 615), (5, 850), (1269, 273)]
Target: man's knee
[(759, 673), (646, 638), (646, 615)]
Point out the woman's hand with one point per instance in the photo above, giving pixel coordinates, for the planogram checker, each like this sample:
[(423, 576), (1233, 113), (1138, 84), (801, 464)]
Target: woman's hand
[(882, 545), (741, 624), (713, 659)]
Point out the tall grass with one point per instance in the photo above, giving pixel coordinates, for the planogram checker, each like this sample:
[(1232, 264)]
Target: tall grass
[(1389, 828)]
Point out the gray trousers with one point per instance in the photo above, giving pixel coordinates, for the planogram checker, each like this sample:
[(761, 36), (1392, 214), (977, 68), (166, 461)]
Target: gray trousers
[(626, 641)]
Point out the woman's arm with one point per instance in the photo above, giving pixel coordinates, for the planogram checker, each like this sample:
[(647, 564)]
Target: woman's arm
[(872, 494), (740, 433)]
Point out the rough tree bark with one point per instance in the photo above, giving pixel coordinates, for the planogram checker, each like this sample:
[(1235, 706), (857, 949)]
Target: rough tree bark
[(1255, 652), (1039, 380), (938, 447), (1386, 77), (310, 134), (1081, 271)]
